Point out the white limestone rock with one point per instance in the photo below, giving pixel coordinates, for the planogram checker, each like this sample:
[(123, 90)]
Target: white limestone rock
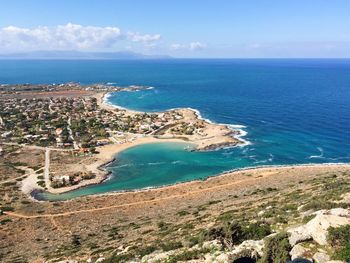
[(299, 234), (340, 212), (316, 228), (346, 198), (254, 247), (222, 258), (297, 251), (321, 257)]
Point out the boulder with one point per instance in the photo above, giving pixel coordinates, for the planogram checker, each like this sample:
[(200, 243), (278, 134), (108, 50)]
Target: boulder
[(299, 234), (297, 251), (100, 260), (321, 257), (316, 228), (222, 258), (339, 212), (255, 248), (346, 198)]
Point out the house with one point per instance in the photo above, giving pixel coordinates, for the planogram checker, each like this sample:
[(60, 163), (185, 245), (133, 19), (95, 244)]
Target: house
[(102, 142), (59, 131)]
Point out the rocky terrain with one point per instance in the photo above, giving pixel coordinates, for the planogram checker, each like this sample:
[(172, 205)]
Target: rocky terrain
[(258, 215)]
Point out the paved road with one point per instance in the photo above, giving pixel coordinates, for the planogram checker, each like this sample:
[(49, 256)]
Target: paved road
[(47, 167), (69, 123)]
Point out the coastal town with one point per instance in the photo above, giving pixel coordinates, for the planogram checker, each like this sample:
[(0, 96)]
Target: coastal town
[(74, 119)]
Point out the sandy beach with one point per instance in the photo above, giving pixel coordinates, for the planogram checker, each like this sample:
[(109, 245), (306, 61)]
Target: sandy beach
[(106, 154)]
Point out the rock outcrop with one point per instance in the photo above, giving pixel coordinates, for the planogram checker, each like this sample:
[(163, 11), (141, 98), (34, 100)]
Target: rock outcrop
[(297, 251), (316, 229), (321, 257)]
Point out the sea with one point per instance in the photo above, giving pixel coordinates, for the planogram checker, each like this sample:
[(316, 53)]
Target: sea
[(291, 112)]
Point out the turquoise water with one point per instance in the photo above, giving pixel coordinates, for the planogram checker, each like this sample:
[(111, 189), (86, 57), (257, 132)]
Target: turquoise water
[(294, 112), (161, 164)]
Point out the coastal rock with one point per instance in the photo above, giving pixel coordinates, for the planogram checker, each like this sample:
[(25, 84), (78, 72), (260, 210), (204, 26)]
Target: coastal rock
[(316, 228), (297, 251), (321, 257)]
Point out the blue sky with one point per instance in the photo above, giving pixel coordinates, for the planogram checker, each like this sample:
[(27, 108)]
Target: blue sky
[(181, 28)]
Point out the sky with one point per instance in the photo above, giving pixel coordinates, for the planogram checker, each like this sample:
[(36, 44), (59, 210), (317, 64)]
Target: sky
[(180, 28)]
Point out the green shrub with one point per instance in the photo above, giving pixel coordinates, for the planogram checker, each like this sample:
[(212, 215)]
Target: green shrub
[(4, 221), (171, 246), (146, 250), (256, 230), (76, 241), (276, 249), (198, 238), (339, 237), (188, 255), (182, 213), (235, 233), (119, 258), (7, 208), (318, 204), (343, 253), (9, 183)]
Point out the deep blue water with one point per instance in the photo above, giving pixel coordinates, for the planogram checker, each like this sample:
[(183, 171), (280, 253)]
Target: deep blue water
[(295, 111)]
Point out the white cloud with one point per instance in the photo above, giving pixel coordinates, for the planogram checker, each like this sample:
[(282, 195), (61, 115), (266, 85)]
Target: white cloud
[(197, 46), (193, 46), (147, 39), (177, 46), (67, 37)]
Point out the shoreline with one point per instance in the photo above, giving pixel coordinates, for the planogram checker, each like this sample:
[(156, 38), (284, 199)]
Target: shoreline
[(108, 153), (207, 180), (233, 131), (103, 102)]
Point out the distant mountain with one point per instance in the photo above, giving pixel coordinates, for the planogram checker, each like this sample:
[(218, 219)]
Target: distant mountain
[(72, 54)]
